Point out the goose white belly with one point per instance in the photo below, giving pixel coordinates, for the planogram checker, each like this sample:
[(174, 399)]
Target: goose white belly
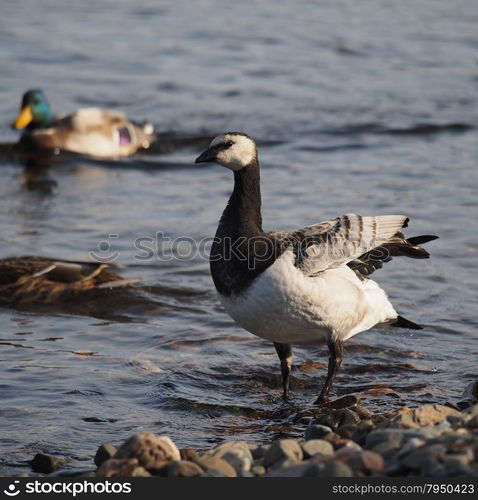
[(284, 305)]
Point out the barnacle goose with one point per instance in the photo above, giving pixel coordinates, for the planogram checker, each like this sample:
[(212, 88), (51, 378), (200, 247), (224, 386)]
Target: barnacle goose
[(306, 286)]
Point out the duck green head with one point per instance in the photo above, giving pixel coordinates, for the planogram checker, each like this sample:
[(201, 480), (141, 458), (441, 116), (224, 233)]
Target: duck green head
[(34, 111)]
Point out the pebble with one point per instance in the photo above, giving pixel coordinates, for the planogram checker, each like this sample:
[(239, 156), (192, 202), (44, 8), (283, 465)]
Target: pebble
[(416, 458), (314, 447), (237, 453), (122, 467), (317, 431), (433, 414), (152, 452), (103, 453), (45, 464), (282, 450), (182, 468), (213, 465)]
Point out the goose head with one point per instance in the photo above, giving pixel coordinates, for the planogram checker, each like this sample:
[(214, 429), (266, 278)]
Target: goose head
[(233, 150)]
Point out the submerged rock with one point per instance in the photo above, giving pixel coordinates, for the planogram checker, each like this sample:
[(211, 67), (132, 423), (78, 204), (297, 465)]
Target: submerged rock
[(45, 464)]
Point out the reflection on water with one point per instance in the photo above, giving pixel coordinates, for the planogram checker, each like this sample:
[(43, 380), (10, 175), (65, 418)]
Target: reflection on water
[(356, 108)]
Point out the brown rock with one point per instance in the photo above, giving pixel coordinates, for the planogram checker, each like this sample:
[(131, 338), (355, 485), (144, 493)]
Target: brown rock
[(399, 421), (122, 467), (210, 463), (188, 454), (152, 452), (183, 468), (433, 414)]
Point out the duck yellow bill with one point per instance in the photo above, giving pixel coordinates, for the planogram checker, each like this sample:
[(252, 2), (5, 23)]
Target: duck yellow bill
[(24, 117)]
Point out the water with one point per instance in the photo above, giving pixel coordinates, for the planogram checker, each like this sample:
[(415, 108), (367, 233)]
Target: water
[(367, 107)]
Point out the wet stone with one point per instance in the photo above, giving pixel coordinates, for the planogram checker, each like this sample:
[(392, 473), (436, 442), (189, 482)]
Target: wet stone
[(317, 431), (103, 453), (45, 464)]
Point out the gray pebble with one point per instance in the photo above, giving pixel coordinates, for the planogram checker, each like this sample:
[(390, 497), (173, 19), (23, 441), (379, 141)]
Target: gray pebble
[(284, 449), (317, 431)]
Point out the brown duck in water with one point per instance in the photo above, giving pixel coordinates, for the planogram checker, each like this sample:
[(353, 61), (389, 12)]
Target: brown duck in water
[(96, 132), (30, 280)]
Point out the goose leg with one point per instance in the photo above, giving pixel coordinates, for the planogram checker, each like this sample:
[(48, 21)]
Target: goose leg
[(335, 360), (284, 351)]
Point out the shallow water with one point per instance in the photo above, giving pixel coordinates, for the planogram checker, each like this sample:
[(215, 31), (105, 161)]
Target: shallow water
[(368, 107)]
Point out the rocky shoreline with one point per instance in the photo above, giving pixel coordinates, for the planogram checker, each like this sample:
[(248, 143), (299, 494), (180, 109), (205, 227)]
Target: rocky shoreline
[(342, 439)]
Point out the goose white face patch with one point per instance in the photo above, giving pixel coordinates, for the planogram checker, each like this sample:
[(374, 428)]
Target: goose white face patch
[(240, 154)]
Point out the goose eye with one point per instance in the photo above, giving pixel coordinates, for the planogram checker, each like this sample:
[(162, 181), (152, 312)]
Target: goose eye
[(228, 144)]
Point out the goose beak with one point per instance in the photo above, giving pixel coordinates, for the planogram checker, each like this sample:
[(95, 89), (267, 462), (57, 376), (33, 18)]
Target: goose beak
[(206, 156), (24, 118)]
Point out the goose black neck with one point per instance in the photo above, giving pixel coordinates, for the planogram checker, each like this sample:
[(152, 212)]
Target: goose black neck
[(243, 211)]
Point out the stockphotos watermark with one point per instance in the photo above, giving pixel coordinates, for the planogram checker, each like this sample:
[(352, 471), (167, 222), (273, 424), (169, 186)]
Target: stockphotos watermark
[(66, 487), (161, 247)]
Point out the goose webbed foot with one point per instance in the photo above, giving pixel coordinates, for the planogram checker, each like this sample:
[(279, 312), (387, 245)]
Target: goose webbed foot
[(284, 351), (335, 360)]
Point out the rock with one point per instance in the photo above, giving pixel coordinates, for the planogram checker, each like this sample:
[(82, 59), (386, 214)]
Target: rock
[(410, 445), (284, 449), (182, 468), (258, 470), (471, 392), (452, 460), (336, 468), (347, 401), (433, 414), (347, 444), (416, 458), (399, 421), (364, 460), (45, 464), (187, 453), (317, 447), (472, 423), (153, 452), (336, 418), (122, 467), (295, 470), (378, 436), (259, 452), (362, 412), (103, 453), (317, 431), (213, 465), (237, 453), (472, 410)]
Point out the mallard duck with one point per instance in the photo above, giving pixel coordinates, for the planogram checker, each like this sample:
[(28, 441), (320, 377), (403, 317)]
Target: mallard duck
[(308, 286), (91, 131), (42, 280)]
